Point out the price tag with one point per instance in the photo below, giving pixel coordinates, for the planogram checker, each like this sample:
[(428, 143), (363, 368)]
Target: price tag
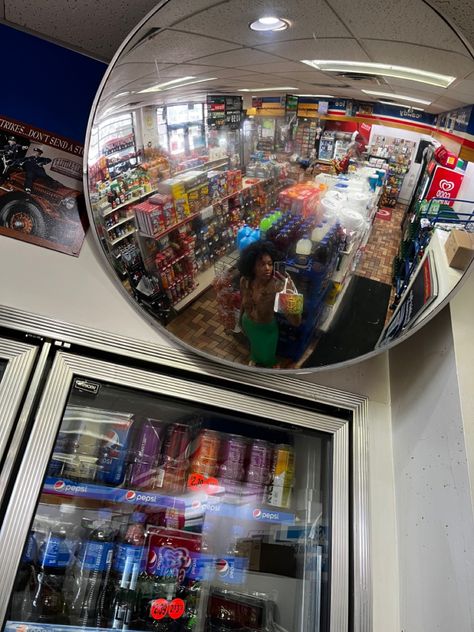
[(198, 482), (159, 609), (176, 608)]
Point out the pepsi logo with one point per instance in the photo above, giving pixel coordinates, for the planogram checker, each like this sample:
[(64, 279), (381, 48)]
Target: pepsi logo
[(257, 513), (58, 485), (152, 558), (130, 495), (112, 438), (196, 504), (222, 566), (446, 185)]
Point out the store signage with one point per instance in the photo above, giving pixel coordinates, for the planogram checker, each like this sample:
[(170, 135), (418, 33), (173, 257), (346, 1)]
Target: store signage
[(224, 111), (445, 184), (291, 103), (323, 107)]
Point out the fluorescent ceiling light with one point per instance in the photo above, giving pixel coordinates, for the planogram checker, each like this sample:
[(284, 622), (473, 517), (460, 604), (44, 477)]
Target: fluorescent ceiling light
[(319, 96), (175, 83), (269, 24), (158, 86), (401, 105), (266, 89), (386, 70), (390, 95)]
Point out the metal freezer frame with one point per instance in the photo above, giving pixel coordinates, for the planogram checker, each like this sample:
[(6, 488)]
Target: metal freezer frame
[(66, 365)]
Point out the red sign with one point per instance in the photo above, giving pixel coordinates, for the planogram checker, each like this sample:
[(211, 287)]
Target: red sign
[(445, 184)]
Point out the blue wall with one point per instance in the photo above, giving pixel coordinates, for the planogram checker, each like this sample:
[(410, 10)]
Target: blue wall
[(46, 85)]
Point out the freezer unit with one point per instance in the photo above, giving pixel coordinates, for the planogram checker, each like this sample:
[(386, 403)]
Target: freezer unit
[(144, 503)]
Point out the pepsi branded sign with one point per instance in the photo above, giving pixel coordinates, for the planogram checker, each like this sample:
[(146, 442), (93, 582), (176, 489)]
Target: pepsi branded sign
[(65, 487)]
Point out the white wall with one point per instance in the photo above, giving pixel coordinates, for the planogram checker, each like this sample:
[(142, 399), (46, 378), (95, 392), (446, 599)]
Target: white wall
[(462, 310), (78, 290), (433, 503)]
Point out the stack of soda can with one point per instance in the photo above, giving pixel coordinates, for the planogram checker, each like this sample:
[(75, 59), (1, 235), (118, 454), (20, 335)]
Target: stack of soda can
[(151, 455)]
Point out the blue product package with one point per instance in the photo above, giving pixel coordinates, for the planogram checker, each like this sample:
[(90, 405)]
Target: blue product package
[(113, 451)]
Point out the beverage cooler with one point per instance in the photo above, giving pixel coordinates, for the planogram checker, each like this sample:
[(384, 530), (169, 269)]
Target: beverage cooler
[(164, 498)]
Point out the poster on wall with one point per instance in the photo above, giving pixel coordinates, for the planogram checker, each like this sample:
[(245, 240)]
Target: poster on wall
[(420, 293), (41, 199)]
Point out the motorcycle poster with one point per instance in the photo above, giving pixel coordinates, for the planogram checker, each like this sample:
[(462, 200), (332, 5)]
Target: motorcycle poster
[(41, 196)]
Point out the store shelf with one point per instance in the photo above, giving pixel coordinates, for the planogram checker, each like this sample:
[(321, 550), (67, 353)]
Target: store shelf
[(189, 218), (193, 503), (206, 165), (203, 281), (122, 221), (128, 202), (127, 234)]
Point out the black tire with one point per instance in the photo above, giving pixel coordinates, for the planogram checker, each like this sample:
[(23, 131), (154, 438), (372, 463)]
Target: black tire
[(23, 216)]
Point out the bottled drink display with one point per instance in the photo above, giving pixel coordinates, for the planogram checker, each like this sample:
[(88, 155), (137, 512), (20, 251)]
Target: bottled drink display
[(171, 522)]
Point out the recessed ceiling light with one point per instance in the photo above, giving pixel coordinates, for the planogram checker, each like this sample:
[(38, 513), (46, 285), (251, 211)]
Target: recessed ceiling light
[(318, 96), (401, 105), (390, 95), (266, 89), (269, 23), (386, 70)]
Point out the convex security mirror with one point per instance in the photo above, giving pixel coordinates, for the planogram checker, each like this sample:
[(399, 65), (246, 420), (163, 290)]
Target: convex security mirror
[(286, 186)]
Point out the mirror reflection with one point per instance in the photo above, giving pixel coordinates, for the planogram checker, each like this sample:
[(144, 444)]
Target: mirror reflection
[(286, 185)]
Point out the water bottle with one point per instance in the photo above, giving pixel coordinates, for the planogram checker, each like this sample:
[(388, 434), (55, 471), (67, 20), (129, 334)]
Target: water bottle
[(48, 604), (91, 574), (24, 586)]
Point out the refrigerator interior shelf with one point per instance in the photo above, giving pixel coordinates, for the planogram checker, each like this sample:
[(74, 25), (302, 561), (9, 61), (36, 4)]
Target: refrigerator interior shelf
[(195, 504)]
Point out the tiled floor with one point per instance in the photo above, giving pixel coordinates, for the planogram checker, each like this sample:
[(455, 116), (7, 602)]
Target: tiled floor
[(382, 246), (199, 324)]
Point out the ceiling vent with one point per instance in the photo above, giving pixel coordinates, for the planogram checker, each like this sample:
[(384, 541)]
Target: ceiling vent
[(359, 76)]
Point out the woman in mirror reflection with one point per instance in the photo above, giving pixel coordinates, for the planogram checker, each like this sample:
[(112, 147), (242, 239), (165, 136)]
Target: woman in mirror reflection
[(259, 285)]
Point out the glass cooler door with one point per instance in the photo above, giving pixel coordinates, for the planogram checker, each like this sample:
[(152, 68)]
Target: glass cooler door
[(157, 511), (16, 363)]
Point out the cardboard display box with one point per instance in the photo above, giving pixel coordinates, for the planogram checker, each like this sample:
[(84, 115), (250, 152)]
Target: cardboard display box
[(278, 559), (459, 249)]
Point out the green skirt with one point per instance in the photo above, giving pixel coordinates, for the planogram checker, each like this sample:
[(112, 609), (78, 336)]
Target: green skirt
[(263, 338)]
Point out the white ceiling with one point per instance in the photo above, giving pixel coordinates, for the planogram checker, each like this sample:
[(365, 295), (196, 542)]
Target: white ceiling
[(211, 38)]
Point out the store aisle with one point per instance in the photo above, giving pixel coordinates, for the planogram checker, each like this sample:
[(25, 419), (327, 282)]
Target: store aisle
[(382, 246), (199, 327)]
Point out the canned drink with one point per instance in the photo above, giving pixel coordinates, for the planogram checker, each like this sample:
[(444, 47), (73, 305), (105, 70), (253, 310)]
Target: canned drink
[(175, 462), (260, 463), (145, 455), (234, 448), (283, 474), (204, 459), (83, 430)]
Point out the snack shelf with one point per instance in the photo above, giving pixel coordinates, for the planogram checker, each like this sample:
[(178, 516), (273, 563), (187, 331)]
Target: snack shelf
[(128, 202), (127, 234), (119, 223), (206, 165)]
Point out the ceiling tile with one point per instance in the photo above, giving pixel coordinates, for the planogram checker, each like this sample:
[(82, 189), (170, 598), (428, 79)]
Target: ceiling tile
[(399, 21), (237, 58), (176, 48), (231, 20), (319, 48), (421, 57), (281, 66), (70, 22)]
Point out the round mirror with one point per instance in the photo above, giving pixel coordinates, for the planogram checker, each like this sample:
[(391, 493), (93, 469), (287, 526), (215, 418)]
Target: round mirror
[(286, 185)]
